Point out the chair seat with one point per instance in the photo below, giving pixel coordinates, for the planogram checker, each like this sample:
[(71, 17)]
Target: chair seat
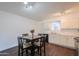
[(37, 43), (26, 45)]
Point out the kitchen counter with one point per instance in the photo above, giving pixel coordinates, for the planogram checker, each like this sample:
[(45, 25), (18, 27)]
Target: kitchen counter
[(74, 34)]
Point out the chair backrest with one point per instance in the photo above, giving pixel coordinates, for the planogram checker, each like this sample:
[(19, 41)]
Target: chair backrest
[(46, 36), (40, 41), (77, 39), (20, 42), (77, 45), (26, 34), (43, 39)]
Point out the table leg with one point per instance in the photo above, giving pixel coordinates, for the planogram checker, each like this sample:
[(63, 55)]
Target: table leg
[(44, 49)]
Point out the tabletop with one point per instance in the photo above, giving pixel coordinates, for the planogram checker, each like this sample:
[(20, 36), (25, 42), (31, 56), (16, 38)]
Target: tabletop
[(35, 37)]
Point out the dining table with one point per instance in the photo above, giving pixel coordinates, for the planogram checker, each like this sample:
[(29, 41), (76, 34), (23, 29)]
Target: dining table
[(32, 39)]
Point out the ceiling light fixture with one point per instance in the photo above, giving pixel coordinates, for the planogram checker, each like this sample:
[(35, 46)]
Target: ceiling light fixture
[(25, 3), (28, 5)]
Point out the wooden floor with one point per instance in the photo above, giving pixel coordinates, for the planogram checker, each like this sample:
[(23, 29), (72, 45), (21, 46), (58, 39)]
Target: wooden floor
[(51, 50)]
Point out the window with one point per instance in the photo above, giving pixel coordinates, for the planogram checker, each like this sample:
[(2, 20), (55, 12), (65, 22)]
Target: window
[(56, 25)]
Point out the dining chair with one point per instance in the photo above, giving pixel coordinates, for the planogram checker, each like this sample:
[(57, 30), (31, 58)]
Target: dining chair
[(41, 44), (47, 36), (77, 45), (23, 46)]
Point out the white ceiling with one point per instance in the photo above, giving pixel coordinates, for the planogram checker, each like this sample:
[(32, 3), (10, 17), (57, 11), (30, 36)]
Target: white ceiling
[(40, 10)]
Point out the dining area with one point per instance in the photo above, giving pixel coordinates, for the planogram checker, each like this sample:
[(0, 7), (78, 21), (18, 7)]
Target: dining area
[(32, 45)]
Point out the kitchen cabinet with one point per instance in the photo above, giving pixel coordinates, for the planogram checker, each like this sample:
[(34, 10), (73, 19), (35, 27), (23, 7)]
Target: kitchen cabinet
[(70, 24), (62, 40)]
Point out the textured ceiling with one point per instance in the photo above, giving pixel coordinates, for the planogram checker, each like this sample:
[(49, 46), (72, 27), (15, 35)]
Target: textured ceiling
[(40, 10)]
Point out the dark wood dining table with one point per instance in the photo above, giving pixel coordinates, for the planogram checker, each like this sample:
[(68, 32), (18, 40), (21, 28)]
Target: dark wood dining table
[(32, 39)]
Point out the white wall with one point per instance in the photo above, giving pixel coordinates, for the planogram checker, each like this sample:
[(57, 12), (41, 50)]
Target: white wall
[(11, 26)]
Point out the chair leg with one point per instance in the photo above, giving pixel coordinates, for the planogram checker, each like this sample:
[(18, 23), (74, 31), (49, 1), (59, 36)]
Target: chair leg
[(18, 51), (26, 52), (22, 52), (44, 49), (40, 50)]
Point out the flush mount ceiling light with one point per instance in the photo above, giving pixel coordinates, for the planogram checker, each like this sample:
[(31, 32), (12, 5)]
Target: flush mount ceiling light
[(25, 2), (28, 4)]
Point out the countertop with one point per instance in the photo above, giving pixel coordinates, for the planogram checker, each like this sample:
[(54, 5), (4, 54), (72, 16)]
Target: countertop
[(74, 34)]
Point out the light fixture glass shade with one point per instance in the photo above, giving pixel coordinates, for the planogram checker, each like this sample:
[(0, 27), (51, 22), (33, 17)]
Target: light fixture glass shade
[(25, 2), (30, 6)]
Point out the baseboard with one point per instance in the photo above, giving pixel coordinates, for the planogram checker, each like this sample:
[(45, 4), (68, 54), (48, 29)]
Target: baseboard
[(1, 53), (8, 48)]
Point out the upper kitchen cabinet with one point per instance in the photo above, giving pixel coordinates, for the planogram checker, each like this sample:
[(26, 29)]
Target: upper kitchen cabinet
[(70, 21), (70, 24)]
